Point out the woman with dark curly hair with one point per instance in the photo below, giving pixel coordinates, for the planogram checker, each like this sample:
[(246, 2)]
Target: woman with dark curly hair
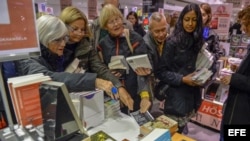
[(177, 66)]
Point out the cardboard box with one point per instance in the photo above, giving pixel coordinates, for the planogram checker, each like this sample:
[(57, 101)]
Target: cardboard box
[(181, 137)]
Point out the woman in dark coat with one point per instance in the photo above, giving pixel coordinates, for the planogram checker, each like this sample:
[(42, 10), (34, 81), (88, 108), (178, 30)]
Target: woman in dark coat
[(177, 65), (237, 105)]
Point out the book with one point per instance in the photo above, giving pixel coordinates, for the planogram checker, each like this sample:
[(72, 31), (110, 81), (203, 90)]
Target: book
[(142, 118), (235, 39), (101, 136), (163, 122), (202, 75), (204, 59), (73, 67), (118, 62), (222, 93), (158, 134), (24, 92), (139, 61)]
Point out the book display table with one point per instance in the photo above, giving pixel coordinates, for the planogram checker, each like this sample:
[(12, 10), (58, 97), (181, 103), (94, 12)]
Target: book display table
[(120, 128)]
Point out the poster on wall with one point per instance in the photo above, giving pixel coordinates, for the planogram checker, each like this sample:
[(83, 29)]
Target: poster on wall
[(220, 22), (18, 36)]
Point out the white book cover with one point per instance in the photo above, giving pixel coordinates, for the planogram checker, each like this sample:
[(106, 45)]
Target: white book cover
[(73, 67), (139, 61), (118, 62)]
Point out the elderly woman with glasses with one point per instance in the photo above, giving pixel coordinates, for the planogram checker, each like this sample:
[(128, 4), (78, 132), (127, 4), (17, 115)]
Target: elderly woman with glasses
[(114, 44), (79, 43), (54, 59)]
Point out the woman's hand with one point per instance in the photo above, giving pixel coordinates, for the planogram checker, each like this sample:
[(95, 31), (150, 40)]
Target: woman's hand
[(226, 79), (143, 71), (116, 73), (106, 86), (145, 104), (189, 81), (126, 98)]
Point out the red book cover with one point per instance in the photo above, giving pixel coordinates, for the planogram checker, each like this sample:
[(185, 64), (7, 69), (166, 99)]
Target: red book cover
[(29, 106)]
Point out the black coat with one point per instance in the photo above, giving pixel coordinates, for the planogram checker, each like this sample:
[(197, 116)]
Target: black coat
[(178, 60), (237, 105)]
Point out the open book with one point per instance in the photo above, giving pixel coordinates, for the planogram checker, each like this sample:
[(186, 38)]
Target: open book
[(139, 61)]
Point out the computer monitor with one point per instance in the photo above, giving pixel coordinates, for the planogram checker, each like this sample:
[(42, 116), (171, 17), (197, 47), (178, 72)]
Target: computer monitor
[(60, 119)]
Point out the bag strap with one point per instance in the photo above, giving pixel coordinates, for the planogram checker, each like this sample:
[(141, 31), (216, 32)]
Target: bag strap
[(126, 32)]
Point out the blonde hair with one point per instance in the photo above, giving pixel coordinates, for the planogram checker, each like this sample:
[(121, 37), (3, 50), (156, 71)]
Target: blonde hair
[(71, 14), (107, 12)]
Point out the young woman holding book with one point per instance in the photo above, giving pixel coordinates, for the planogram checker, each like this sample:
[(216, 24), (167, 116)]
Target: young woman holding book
[(53, 35), (120, 42), (177, 66)]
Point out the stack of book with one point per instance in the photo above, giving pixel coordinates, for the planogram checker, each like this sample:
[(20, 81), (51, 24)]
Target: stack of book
[(118, 62), (202, 75), (204, 61), (25, 97), (111, 107)]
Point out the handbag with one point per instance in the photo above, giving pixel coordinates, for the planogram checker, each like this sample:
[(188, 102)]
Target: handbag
[(160, 89)]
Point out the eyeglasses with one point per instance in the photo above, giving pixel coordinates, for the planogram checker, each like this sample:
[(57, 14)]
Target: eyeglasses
[(114, 21), (76, 30), (59, 40)]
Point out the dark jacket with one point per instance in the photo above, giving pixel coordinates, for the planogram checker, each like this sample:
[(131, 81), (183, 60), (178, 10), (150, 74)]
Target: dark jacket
[(52, 65), (178, 60), (139, 29), (111, 46), (90, 61), (152, 50), (96, 29), (237, 105), (214, 44)]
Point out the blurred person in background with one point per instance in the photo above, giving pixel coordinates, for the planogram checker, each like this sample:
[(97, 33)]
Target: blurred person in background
[(209, 35), (177, 66), (236, 107), (168, 19), (174, 18), (133, 18), (79, 43), (99, 32), (115, 43)]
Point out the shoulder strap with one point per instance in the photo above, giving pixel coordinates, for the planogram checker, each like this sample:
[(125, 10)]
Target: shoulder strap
[(126, 32)]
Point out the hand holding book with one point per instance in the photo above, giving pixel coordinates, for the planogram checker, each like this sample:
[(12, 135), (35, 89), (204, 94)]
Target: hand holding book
[(141, 71)]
